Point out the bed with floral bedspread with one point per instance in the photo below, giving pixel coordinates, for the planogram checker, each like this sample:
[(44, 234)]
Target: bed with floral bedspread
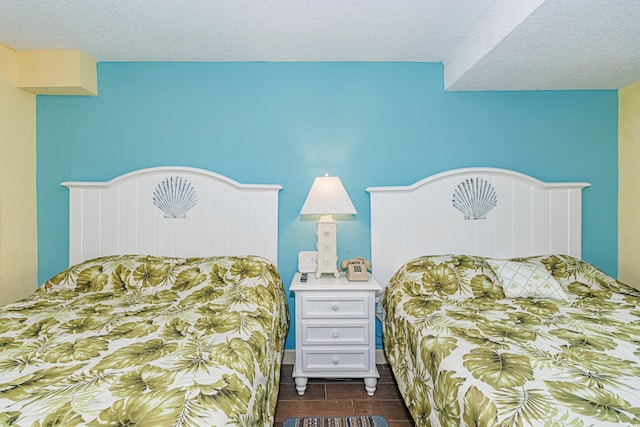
[(146, 341), (542, 341)]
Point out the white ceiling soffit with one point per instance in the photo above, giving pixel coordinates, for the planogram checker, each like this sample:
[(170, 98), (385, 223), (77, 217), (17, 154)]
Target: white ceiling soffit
[(552, 44), (484, 44)]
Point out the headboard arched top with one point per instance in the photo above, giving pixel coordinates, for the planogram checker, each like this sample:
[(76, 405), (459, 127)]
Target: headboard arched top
[(464, 173), (172, 211), (477, 211), (170, 170)]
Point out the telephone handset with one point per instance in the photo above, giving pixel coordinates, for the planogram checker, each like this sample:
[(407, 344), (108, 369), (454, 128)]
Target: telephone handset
[(356, 269)]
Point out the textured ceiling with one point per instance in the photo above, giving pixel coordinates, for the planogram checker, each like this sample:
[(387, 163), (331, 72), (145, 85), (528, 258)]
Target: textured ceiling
[(484, 44)]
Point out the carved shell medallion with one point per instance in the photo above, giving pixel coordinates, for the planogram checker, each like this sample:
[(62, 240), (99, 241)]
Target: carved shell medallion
[(475, 197), (174, 196)]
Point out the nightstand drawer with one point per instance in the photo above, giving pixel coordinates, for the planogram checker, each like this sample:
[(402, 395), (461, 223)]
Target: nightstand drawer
[(354, 306), (326, 333), (338, 359)]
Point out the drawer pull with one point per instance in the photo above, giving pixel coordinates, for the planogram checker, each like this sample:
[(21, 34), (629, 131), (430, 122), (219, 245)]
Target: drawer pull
[(335, 360), (335, 306), (335, 334)]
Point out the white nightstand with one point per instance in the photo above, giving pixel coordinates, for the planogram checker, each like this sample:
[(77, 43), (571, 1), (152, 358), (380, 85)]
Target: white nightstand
[(335, 330)]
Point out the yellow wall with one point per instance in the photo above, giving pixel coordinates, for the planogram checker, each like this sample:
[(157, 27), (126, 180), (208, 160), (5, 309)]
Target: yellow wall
[(18, 242), (56, 72), (629, 185)]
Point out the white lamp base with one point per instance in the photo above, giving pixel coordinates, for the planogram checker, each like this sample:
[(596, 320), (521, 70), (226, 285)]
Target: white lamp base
[(326, 245)]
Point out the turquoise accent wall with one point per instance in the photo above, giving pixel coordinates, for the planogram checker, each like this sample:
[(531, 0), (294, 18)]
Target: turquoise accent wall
[(370, 124)]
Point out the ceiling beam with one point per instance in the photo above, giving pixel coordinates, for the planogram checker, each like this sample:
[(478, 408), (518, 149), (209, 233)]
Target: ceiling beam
[(503, 18)]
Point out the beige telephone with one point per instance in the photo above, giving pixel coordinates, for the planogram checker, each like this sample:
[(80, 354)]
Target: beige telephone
[(356, 269)]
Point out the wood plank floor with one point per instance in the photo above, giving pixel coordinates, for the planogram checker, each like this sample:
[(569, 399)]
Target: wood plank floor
[(340, 397)]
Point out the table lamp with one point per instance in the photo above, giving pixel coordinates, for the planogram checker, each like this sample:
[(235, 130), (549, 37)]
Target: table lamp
[(327, 197)]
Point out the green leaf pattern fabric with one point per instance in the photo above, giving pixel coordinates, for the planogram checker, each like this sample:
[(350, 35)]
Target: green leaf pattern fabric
[(465, 355), (146, 341)]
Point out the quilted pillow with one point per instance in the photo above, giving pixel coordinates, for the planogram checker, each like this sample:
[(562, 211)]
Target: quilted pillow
[(526, 279)]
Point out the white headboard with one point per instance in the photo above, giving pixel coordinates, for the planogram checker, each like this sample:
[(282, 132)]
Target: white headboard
[(172, 211), (522, 216)]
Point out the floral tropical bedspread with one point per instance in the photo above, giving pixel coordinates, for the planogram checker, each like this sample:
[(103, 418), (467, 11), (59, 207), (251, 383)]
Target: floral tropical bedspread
[(146, 341), (466, 355)]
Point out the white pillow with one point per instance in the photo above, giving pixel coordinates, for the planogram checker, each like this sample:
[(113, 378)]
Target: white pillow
[(522, 279)]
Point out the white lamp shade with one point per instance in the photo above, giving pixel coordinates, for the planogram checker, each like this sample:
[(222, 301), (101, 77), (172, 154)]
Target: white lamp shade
[(327, 197)]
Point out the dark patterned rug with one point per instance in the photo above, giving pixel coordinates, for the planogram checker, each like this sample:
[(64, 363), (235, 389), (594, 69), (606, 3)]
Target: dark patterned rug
[(359, 421)]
